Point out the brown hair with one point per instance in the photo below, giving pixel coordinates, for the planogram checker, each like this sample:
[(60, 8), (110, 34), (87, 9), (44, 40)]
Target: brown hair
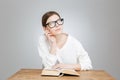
[(46, 16)]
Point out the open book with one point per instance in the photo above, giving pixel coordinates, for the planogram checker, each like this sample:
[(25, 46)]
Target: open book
[(56, 72)]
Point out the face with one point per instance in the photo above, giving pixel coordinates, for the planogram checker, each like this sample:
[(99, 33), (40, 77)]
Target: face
[(54, 25)]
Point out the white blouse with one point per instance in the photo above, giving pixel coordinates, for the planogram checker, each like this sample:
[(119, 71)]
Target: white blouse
[(71, 53)]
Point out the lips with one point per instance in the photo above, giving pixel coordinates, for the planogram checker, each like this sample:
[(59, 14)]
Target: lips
[(57, 29)]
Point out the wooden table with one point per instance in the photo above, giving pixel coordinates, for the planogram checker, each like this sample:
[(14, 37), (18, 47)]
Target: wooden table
[(35, 74)]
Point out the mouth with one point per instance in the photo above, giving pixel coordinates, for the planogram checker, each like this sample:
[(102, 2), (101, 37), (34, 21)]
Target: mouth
[(58, 29)]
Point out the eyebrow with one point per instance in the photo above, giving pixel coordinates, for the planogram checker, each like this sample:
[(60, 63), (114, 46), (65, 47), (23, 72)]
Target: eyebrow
[(53, 21)]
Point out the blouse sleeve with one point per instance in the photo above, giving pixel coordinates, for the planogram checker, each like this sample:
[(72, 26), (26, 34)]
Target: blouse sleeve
[(48, 60), (83, 58)]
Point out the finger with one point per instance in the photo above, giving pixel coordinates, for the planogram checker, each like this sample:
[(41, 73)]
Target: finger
[(47, 34), (56, 66)]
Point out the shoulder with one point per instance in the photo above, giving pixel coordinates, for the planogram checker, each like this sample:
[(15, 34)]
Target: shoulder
[(74, 40), (42, 38)]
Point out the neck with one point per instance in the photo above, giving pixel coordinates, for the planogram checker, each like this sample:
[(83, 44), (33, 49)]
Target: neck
[(60, 36)]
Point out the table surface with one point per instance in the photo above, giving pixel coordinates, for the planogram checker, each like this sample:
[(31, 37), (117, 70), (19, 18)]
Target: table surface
[(35, 74)]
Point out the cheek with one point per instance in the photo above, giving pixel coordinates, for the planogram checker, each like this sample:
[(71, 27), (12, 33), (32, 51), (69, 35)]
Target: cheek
[(51, 31)]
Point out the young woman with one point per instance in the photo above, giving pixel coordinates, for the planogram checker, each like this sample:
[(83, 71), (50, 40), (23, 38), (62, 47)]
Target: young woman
[(59, 50)]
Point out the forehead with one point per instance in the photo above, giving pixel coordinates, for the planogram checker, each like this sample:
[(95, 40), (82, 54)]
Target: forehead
[(52, 18)]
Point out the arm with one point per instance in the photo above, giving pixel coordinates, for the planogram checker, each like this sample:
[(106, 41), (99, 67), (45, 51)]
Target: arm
[(52, 42), (84, 61), (48, 60), (83, 58), (67, 66)]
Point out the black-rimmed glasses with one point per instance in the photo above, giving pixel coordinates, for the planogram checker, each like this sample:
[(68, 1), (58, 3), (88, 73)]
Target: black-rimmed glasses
[(52, 24)]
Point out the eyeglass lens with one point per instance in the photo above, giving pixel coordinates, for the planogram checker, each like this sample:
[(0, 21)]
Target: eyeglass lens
[(53, 23)]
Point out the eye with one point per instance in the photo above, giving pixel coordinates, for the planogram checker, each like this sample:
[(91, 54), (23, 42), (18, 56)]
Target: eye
[(60, 21), (51, 24)]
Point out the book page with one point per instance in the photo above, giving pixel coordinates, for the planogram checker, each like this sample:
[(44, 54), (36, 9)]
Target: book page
[(59, 72), (51, 72), (70, 72)]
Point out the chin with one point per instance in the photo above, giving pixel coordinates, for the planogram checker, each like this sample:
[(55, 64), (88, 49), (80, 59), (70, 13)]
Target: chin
[(58, 32)]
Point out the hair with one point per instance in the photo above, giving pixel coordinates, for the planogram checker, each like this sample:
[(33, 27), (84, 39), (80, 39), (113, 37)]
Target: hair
[(46, 16)]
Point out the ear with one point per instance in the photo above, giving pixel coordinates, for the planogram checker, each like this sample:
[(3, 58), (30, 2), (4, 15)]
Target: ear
[(44, 28)]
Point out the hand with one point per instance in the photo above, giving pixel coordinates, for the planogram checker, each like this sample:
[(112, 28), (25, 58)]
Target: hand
[(52, 42), (67, 66), (61, 66), (50, 37)]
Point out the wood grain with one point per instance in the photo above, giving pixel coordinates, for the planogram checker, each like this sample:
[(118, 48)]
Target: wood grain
[(35, 74)]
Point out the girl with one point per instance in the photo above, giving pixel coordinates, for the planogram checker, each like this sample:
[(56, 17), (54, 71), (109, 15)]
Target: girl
[(59, 50)]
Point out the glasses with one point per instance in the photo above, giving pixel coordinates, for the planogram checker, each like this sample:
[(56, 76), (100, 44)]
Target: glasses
[(52, 24)]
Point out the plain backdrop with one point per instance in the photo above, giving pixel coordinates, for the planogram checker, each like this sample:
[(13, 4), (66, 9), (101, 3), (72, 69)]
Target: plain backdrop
[(95, 23)]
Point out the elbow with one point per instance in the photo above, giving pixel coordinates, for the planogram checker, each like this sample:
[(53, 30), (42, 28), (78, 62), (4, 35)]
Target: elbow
[(86, 67)]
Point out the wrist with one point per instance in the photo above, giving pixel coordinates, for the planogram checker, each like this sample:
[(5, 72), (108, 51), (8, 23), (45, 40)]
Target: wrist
[(53, 49), (77, 67)]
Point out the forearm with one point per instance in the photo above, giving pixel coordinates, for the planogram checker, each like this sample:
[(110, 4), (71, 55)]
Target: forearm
[(76, 66), (67, 66), (53, 49)]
